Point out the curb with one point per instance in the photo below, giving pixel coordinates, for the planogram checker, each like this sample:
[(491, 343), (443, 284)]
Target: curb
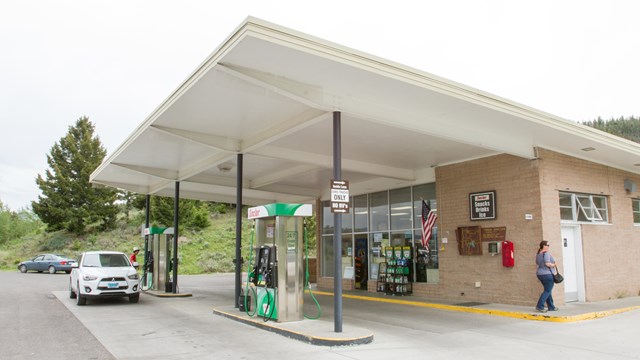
[(163, 294), (310, 339)]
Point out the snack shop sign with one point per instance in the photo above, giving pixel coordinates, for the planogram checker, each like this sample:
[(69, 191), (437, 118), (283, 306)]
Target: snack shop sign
[(482, 205)]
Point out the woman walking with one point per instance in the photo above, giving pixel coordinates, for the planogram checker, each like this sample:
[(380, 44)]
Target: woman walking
[(545, 263)]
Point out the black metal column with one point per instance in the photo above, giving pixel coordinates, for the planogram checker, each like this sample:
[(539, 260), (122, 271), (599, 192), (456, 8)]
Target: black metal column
[(337, 231), (147, 212), (176, 216), (238, 230)]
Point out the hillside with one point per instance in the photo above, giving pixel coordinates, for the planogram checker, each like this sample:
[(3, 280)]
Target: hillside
[(209, 251)]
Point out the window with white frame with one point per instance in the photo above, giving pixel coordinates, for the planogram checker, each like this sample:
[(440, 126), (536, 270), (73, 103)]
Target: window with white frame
[(583, 208), (635, 203)]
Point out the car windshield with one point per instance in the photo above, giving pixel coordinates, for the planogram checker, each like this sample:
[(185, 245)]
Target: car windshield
[(105, 260)]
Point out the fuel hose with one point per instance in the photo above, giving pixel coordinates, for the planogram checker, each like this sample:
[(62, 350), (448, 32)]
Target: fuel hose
[(249, 275), (307, 286)]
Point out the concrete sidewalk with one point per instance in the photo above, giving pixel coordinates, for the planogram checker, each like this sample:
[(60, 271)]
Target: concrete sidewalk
[(190, 327), (321, 332), (570, 312)]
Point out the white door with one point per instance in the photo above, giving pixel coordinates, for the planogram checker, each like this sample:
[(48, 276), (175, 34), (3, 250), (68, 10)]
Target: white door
[(572, 264)]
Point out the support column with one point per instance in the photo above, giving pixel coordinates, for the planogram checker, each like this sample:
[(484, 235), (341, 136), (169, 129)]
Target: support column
[(337, 231), (147, 211), (176, 216), (238, 230)]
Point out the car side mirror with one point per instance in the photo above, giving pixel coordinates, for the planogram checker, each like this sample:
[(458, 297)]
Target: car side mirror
[(136, 265), (75, 265)]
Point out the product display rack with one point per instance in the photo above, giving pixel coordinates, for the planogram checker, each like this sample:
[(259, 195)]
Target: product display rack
[(394, 275)]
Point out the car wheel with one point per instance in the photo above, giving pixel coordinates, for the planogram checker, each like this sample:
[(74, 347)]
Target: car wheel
[(72, 294), (23, 268), (68, 271), (80, 300), (134, 298), (52, 269)]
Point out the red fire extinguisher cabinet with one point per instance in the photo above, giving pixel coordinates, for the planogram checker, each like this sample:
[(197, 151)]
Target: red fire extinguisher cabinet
[(507, 254)]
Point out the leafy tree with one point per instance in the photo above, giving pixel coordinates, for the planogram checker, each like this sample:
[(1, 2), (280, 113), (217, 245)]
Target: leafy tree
[(310, 227), (628, 128), (68, 200), (14, 224)]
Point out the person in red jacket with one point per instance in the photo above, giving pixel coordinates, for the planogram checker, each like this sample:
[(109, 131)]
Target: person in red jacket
[(134, 257)]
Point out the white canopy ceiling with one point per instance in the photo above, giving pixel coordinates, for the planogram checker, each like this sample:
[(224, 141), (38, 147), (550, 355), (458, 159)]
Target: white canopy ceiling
[(269, 93)]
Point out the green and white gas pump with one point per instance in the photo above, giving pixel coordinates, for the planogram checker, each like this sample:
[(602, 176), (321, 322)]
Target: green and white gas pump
[(278, 273), (158, 260)]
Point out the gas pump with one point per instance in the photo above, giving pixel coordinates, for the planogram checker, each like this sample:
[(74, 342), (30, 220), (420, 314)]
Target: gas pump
[(278, 277), (158, 259), (265, 278)]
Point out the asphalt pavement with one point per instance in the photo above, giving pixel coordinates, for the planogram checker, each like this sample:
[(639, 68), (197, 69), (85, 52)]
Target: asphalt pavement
[(196, 327), (36, 325)]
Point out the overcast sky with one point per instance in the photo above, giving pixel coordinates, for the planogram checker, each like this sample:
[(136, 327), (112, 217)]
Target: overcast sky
[(116, 61)]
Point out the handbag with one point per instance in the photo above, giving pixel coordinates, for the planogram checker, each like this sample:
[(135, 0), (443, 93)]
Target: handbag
[(557, 278)]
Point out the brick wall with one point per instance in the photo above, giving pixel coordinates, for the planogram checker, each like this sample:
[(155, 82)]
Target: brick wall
[(326, 284), (313, 270), (610, 251), (516, 183)]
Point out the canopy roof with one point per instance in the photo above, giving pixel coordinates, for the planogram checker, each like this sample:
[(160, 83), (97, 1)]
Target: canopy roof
[(269, 92)]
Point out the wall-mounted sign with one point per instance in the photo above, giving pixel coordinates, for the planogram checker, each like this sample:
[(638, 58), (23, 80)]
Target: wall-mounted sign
[(482, 205), (469, 240), (494, 234)]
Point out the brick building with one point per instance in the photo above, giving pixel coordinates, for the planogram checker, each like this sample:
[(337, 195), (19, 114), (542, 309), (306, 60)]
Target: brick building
[(528, 205), (271, 110)]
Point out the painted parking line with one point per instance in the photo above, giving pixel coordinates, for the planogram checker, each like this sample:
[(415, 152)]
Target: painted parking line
[(511, 314)]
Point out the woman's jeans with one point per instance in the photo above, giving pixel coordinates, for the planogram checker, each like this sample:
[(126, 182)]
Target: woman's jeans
[(545, 297)]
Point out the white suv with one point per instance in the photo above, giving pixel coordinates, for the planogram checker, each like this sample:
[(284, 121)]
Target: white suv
[(104, 274)]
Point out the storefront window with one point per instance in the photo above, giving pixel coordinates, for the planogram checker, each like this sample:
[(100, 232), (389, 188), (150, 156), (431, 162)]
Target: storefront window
[(328, 223), (426, 259), (401, 238), (327, 218), (379, 240), (379, 220), (347, 221), (400, 201), (347, 253), (360, 214), (361, 261), (379, 211), (327, 267)]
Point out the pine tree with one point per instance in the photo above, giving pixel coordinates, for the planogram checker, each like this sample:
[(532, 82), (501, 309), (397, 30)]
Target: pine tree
[(628, 128), (68, 200), (193, 214)]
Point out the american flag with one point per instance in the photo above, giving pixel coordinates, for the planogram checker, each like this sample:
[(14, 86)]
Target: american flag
[(428, 221)]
